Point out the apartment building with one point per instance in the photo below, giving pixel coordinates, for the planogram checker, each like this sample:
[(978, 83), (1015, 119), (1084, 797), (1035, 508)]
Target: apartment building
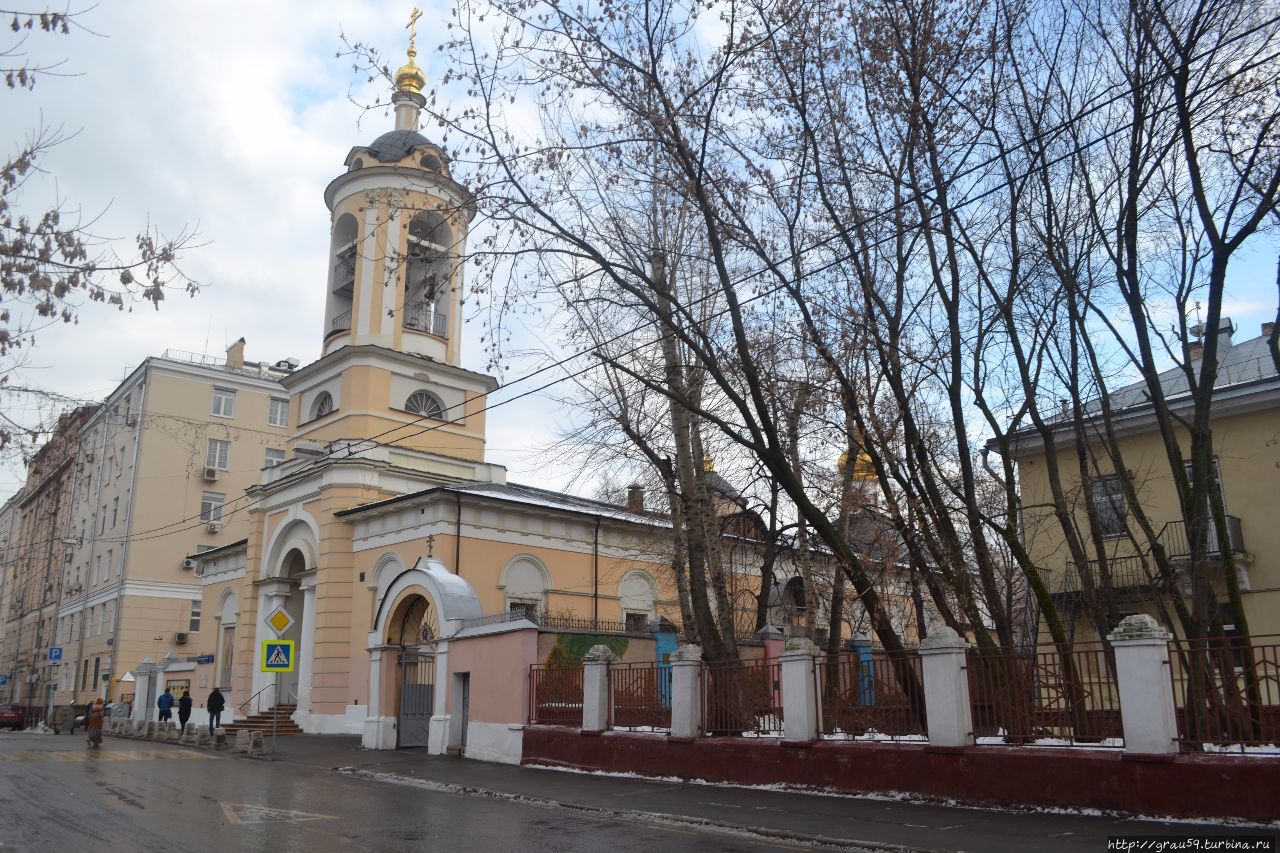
[(160, 473), (1246, 444), (39, 515)]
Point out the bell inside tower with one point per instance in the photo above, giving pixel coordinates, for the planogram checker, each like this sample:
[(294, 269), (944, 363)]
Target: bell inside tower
[(428, 275)]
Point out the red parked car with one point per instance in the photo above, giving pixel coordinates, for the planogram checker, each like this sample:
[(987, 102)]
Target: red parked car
[(12, 717)]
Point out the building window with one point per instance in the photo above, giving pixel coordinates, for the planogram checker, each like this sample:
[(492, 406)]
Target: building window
[(121, 466), (110, 559), (275, 456), (426, 404), (102, 521), (219, 455), (1106, 495), (527, 609), (101, 614), (211, 504), (637, 623), (195, 617), (278, 412), (97, 569), (97, 673), (115, 511), (224, 403), (323, 405), (84, 675)]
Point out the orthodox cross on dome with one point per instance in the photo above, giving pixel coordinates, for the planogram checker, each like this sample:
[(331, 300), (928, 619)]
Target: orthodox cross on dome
[(431, 542), (409, 78), (412, 26)]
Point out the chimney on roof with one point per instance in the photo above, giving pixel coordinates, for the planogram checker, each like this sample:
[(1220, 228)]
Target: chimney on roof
[(1195, 351), (635, 497), (1268, 329), (235, 355)]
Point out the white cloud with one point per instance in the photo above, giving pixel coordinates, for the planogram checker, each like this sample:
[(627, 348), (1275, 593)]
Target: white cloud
[(230, 118)]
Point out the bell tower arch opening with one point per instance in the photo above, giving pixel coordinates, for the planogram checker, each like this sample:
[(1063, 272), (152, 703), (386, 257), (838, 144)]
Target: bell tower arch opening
[(342, 275), (429, 275)]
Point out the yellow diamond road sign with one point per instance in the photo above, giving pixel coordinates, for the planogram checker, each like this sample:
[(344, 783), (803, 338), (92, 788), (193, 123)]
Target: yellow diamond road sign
[(279, 621)]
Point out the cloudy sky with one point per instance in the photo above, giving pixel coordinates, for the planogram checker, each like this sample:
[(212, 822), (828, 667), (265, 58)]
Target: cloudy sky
[(227, 118), (230, 118)]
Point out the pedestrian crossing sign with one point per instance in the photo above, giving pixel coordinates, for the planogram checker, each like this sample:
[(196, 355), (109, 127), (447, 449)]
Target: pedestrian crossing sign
[(277, 656)]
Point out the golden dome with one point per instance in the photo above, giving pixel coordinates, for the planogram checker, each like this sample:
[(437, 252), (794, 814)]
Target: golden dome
[(863, 467), (409, 78)]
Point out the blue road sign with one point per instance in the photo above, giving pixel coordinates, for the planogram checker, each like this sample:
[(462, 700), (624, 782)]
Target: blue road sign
[(4, 679), (277, 656), (55, 653)]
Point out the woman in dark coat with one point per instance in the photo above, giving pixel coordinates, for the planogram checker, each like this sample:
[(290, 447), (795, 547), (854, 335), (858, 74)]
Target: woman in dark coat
[(184, 711)]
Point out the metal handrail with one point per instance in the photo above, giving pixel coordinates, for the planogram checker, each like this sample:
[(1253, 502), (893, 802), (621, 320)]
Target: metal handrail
[(297, 700), (257, 708)]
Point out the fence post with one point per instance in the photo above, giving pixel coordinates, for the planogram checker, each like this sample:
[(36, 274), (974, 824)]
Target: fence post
[(946, 688), (595, 689), (686, 692), (799, 691), (1147, 709)]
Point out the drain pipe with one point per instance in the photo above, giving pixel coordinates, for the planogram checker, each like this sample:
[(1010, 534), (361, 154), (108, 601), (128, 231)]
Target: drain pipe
[(595, 578), (457, 536)]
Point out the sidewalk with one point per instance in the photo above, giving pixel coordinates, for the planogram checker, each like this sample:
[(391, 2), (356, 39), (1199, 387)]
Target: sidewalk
[(784, 815)]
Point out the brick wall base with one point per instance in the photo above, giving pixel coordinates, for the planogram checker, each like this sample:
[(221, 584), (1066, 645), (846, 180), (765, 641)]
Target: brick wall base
[(1183, 786)]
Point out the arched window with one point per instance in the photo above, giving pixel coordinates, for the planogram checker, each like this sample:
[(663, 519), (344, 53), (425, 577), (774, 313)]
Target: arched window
[(426, 404), (525, 582), (323, 405), (637, 594), (228, 613)]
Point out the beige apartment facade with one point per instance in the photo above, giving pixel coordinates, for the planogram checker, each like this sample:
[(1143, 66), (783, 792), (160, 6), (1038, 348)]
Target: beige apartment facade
[(161, 473), (1246, 436)]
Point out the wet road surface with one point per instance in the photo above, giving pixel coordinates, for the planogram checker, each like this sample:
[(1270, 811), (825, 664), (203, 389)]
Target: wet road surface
[(57, 795)]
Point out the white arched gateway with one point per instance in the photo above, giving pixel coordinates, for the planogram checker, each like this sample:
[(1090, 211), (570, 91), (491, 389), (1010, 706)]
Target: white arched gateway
[(417, 612)]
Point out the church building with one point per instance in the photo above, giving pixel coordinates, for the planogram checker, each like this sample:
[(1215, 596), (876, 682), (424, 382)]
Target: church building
[(385, 531)]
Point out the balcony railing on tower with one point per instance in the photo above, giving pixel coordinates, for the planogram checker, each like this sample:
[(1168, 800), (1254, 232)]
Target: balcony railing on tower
[(342, 322), (425, 320)]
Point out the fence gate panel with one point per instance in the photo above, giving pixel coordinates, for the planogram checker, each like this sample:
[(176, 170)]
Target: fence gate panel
[(417, 697)]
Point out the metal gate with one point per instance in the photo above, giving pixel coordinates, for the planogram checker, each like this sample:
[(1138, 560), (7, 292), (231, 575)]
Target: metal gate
[(417, 696)]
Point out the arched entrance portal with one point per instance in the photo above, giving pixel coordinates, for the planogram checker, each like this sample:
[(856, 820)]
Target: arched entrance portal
[(414, 627), (293, 568)]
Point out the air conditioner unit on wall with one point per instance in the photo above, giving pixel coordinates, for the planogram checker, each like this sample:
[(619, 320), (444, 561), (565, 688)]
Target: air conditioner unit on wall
[(211, 475), (190, 564), (180, 638), (215, 526)]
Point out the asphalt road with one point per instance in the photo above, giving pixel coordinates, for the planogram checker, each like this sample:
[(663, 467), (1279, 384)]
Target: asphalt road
[(58, 795)]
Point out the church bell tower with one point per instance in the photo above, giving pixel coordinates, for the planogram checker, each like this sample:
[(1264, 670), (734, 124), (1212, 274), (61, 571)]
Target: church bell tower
[(391, 361)]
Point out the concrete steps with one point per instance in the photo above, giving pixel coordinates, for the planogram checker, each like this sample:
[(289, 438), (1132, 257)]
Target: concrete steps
[(281, 716)]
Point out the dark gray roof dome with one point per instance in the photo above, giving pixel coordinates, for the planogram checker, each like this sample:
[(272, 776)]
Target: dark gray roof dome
[(394, 145)]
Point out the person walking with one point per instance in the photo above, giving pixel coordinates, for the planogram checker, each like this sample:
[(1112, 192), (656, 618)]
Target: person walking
[(165, 704), (97, 712), (215, 704), (184, 712)]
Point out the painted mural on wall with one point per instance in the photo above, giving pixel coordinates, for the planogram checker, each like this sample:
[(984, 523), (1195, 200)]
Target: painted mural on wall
[(572, 648)]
